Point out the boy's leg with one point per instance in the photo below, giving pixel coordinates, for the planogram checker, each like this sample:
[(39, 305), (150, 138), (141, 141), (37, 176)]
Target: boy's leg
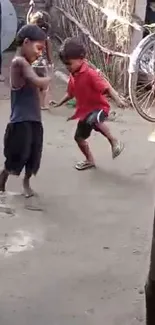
[(82, 133), (28, 192), (3, 179), (116, 145), (33, 163), (13, 145)]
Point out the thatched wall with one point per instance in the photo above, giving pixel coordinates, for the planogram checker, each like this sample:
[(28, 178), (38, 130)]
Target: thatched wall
[(105, 27)]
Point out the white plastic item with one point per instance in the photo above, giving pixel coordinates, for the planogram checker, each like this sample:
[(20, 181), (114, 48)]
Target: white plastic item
[(9, 24)]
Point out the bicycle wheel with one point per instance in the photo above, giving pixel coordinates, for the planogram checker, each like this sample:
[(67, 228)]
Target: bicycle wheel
[(142, 78)]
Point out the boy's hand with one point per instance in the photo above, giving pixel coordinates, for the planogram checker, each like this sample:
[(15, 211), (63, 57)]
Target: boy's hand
[(54, 103), (32, 3), (69, 118), (121, 102), (63, 101)]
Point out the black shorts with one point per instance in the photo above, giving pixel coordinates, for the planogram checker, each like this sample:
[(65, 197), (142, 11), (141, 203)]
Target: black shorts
[(85, 127), (23, 144)]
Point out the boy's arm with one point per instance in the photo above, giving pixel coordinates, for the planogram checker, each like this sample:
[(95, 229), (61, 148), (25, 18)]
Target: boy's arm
[(49, 51), (64, 100), (69, 95), (29, 74), (103, 86), (115, 96), (30, 11)]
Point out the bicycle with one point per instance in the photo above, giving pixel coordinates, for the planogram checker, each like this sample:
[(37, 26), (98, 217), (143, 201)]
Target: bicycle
[(142, 76)]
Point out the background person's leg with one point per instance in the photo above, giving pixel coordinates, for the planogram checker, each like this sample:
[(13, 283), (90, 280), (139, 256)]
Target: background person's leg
[(0, 62), (150, 285), (1, 77), (0, 38)]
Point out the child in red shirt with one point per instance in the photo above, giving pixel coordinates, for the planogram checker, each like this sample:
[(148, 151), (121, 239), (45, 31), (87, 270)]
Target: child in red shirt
[(92, 107)]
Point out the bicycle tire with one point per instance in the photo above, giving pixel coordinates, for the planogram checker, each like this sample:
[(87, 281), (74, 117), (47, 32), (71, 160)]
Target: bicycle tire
[(142, 48)]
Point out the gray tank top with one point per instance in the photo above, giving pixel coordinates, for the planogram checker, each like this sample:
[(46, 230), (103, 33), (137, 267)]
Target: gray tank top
[(25, 104)]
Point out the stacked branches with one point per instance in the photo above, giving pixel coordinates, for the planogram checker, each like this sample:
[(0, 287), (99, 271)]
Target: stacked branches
[(105, 26)]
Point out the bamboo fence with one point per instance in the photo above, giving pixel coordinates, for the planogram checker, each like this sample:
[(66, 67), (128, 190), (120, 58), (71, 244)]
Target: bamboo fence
[(105, 26)]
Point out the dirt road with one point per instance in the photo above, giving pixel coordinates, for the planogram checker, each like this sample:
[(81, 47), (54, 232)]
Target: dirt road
[(78, 253)]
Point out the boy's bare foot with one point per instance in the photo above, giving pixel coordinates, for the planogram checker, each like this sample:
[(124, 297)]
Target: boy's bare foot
[(28, 192), (3, 179)]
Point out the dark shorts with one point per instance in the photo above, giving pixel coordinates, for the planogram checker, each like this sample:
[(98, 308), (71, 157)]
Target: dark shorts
[(23, 144), (85, 127)]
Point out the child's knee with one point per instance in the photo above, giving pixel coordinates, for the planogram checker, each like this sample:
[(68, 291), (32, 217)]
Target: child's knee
[(98, 126), (78, 139)]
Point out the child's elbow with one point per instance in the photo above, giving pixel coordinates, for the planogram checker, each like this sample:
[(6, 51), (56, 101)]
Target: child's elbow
[(106, 91)]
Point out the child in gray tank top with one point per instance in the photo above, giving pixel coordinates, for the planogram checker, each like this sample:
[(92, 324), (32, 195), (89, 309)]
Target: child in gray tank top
[(23, 138)]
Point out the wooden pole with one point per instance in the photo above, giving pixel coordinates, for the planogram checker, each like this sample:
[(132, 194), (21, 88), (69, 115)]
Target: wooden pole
[(131, 6)]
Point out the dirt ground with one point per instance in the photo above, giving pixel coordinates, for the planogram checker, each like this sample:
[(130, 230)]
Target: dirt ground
[(78, 253)]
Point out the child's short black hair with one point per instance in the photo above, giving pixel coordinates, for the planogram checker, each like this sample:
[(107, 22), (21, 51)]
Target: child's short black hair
[(32, 32), (72, 48)]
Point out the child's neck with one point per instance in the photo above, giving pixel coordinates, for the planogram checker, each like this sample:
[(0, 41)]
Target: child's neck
[(79, 68), (19, 52)]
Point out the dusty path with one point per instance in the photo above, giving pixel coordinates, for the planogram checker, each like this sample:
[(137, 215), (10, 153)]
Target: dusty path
[(78, 253)]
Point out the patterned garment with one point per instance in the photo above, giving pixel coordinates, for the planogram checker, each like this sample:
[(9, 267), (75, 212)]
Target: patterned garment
[(41, 66)]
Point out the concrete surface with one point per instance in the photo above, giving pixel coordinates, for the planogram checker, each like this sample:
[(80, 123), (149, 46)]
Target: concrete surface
[(78, 253)]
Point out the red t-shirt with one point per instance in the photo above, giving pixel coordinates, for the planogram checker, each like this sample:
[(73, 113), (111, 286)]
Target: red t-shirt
[(88, 88)]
